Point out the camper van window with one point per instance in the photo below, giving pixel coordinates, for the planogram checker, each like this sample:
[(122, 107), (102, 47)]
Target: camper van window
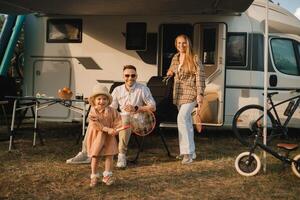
[(136, 36), (209, 46), (284, 56), (236, 50), (64, 30)]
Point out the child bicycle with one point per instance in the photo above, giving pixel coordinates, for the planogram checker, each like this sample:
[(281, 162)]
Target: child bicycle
[(249, 120), (248, 163)]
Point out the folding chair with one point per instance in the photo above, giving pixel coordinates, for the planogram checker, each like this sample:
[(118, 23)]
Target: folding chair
[(165, 110)]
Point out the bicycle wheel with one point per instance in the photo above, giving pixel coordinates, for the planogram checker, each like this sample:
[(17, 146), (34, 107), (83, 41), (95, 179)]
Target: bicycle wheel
[(248, 121), (247, 165), (296, 165)]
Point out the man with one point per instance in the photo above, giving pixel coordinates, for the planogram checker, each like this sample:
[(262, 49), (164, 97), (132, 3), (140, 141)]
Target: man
[(129, 97)]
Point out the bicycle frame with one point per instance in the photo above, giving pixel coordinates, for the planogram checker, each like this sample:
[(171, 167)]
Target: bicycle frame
[(290, 115), (269, 150)]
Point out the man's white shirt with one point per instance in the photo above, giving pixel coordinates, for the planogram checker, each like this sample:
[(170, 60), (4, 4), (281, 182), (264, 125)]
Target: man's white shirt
[(138, 95)]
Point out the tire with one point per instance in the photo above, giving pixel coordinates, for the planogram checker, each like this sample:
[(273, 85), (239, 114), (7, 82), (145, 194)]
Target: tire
[(247, 169), (248, 121), (296, 166)]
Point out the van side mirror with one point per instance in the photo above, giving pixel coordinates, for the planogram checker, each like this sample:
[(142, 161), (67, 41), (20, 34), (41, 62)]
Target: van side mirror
[(273, 80)]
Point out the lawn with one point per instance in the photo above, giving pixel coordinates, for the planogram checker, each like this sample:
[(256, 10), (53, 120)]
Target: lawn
[(41, 172)]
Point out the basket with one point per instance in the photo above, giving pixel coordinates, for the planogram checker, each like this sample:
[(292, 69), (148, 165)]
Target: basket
[(65, 93)]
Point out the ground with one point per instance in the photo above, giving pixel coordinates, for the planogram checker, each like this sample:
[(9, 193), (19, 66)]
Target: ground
[(41, 172)]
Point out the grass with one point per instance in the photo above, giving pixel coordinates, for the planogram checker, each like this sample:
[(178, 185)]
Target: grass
[(41, 172)]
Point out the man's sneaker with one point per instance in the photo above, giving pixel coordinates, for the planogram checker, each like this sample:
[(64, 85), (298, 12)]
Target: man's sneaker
[(187, 159), (80, 158), (121, 161)]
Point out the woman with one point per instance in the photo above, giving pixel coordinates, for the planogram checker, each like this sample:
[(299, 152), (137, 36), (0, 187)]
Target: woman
[(189, 85)]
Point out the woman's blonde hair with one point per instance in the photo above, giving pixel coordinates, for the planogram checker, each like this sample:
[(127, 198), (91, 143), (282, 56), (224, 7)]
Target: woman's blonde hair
[(189, 55)]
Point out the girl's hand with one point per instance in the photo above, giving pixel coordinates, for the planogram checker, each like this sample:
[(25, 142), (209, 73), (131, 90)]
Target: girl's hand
[(123, 128), (110, 131)]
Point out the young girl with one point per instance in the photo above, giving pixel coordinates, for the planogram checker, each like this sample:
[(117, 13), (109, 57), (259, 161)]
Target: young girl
[(102, 128)]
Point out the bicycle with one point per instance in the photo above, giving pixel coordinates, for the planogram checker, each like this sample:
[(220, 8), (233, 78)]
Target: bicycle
[(249, 119), (249, 164)]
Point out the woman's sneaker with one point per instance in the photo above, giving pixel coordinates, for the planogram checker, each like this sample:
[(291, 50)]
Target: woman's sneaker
[(80, 158), (180, 157), (187, 159)]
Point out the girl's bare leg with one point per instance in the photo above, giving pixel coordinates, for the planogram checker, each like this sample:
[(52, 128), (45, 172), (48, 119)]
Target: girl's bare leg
[(94, 165), (107, 174), (108, 163)]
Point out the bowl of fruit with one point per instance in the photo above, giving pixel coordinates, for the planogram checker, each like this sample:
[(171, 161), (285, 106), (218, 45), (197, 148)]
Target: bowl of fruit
[(65, 93)]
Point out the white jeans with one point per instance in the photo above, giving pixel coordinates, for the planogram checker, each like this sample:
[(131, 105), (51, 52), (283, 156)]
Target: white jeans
[(185, 128)]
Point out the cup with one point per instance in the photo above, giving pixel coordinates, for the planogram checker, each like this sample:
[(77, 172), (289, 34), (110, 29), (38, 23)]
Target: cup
[(125, 116)]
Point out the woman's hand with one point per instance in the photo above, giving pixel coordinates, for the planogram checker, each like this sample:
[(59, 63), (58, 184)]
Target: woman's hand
[(200, 99), (170, 73)]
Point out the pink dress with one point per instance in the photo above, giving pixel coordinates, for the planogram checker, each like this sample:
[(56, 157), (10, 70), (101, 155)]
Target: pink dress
[(99, 142)]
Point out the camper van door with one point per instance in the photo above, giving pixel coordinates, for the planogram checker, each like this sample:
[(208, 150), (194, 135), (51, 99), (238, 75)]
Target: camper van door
[(210, 43)]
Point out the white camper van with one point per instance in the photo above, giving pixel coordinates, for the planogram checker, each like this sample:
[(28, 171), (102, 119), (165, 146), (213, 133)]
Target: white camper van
[(82, 45)]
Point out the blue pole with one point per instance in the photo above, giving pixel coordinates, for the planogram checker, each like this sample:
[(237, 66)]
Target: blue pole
[(6, 32), (11, 45)]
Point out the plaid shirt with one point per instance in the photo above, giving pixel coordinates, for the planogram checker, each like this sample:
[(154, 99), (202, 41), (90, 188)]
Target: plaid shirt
[(186, 85)]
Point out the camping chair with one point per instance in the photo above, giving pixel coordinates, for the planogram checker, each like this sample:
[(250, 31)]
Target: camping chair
[(165, 113)]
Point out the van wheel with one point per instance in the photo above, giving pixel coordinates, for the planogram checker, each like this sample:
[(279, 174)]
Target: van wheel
[(296, 165), (247, 165)]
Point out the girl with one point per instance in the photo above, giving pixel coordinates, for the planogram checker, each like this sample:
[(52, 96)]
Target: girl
[(189, 85), (102, 128)]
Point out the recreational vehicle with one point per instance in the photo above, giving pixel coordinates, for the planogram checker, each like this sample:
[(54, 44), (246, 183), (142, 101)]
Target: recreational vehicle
[(77, 44)]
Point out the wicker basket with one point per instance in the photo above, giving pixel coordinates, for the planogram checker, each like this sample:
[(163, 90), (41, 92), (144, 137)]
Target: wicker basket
[(65, 93)]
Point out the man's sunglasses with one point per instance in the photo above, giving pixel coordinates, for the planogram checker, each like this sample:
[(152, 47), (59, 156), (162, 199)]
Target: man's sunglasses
[(131, 75)]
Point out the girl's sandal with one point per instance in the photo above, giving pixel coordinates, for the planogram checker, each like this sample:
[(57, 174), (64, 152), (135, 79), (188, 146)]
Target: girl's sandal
[(94, 180), (108, 180)]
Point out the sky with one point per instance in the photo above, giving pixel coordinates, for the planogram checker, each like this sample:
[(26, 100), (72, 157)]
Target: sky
[(292, 5)]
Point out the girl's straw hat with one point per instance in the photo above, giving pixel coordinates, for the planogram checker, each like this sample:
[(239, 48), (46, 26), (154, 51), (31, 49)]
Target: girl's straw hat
[(99, 89)]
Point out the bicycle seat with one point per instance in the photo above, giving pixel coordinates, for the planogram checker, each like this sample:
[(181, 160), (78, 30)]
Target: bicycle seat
[(286, 146)]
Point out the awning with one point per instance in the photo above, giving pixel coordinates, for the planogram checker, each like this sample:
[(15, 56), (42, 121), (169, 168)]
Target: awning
[(124, 7)]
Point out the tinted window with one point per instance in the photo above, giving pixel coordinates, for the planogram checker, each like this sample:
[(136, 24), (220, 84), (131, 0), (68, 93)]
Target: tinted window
[(284, 56), (236, 49), (209, 45), (136, 34), (64, 30)]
